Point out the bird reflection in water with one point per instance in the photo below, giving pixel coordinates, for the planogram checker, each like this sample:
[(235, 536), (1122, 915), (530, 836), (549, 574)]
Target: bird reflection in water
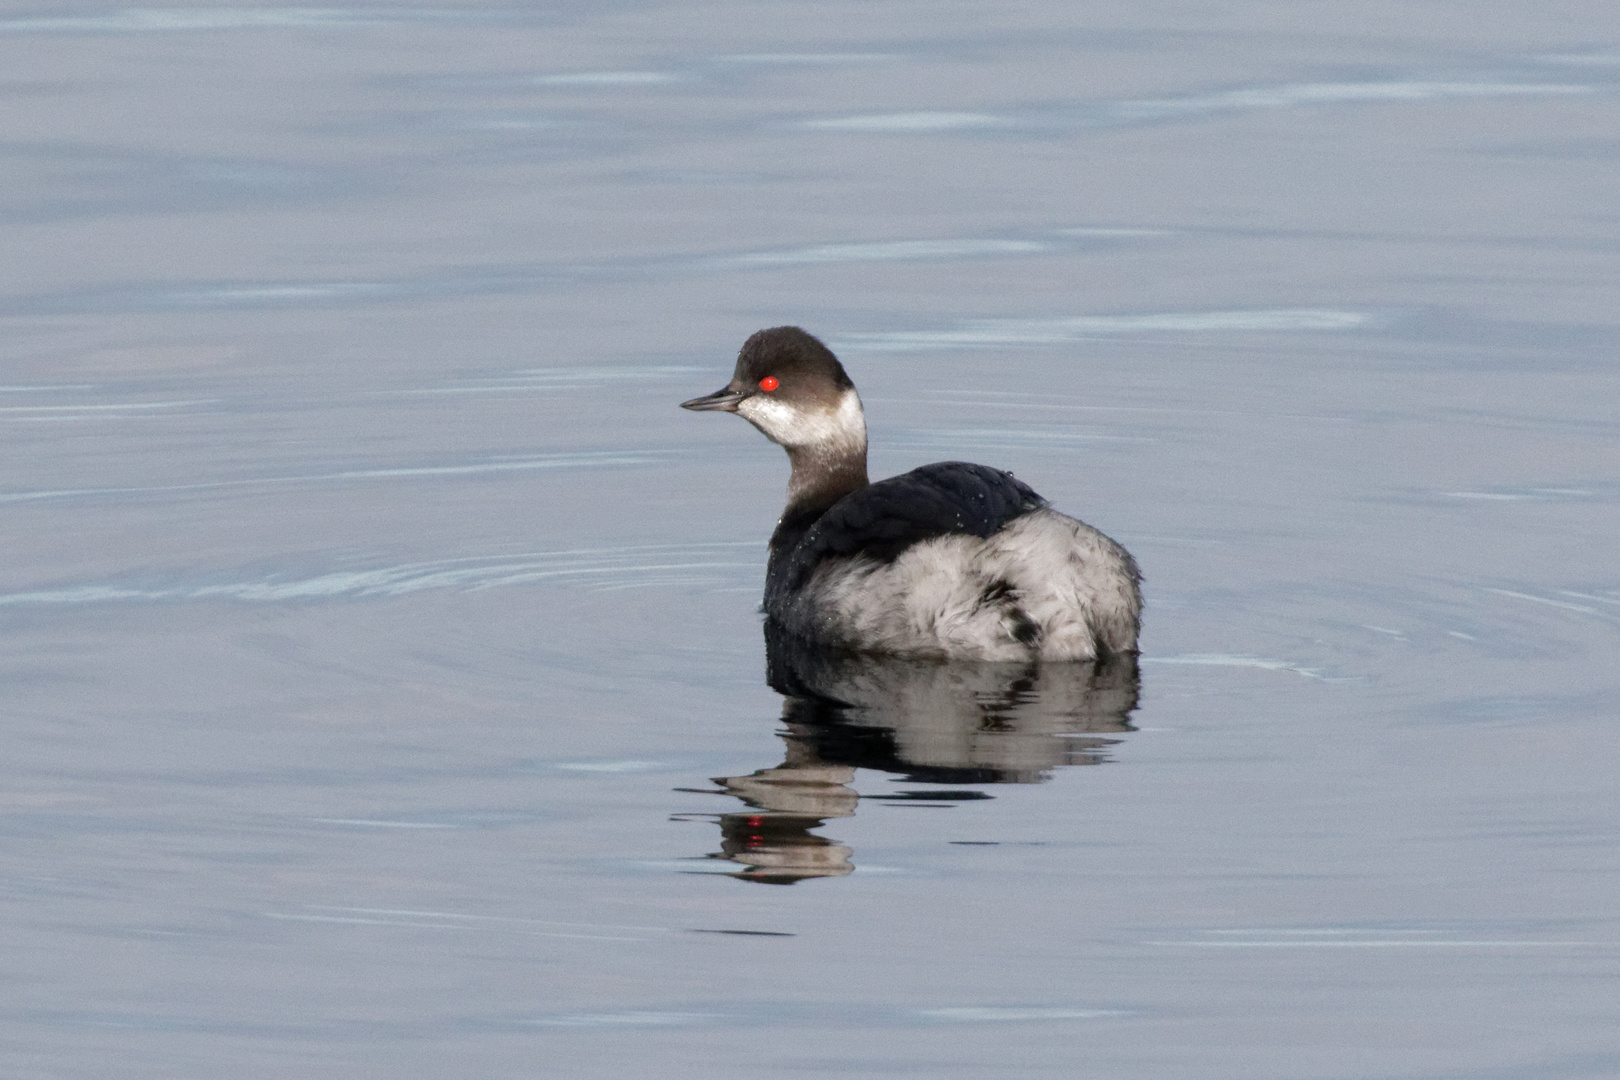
[(927, 721)]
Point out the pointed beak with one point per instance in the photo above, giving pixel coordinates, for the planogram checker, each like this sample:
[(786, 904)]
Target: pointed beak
[(723, 400)]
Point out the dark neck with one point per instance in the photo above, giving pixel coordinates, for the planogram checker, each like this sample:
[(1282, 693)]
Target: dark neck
[(819, 480)]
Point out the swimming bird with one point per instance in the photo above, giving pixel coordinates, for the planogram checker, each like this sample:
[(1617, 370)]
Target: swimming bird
[(949, 561)]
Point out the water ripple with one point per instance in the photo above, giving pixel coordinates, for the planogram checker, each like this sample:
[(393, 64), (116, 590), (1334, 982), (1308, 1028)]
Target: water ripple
[(68, 411), (621, 567), (522, 278), (565, 378), (983, 332), (1138, 111), (790, 59), (889, 250), (605, 78), (1225, 660), (907, 122), (137, 20), (1295, 95), (499, 465), (1565, 605), (954, 439), (1004, 1015), (169, 20)]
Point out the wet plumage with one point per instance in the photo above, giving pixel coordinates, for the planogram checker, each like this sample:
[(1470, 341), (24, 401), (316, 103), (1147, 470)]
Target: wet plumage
[(951, 560)]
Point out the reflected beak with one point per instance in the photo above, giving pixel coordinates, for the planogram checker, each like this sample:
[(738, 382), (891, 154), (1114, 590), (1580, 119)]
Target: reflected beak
[(723, 400)]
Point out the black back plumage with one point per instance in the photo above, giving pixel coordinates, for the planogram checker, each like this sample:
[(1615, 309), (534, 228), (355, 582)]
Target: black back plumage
[(883, 519)]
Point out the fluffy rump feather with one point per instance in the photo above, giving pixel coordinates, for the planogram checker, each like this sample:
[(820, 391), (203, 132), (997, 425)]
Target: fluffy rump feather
[(1041, 586)]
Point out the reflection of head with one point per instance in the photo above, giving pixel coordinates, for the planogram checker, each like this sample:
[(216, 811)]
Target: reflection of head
[(775, 843), (780, 849), (950, 722)]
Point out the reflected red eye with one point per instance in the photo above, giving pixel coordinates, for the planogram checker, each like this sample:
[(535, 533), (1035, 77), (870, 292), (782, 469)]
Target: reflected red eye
[(769, 383)]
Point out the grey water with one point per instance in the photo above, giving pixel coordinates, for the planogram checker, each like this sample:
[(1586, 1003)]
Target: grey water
[(385, 692)]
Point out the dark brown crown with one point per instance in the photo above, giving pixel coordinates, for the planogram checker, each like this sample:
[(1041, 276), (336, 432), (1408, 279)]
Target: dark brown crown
[(804, 367)]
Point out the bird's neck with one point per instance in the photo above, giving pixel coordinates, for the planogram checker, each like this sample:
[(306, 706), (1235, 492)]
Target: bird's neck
[(820, 478), (828, 455), (823, 474)]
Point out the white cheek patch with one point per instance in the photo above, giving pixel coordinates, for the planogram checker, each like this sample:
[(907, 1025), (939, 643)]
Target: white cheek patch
[(793, 426), (776, 420)]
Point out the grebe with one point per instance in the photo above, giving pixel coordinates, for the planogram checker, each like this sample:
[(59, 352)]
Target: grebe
[(949, 561)]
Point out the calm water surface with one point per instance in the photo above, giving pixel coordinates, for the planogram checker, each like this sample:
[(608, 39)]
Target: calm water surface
[(385, 693)]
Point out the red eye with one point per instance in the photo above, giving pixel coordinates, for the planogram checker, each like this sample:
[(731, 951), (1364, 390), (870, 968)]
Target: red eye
[(769, 383)]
